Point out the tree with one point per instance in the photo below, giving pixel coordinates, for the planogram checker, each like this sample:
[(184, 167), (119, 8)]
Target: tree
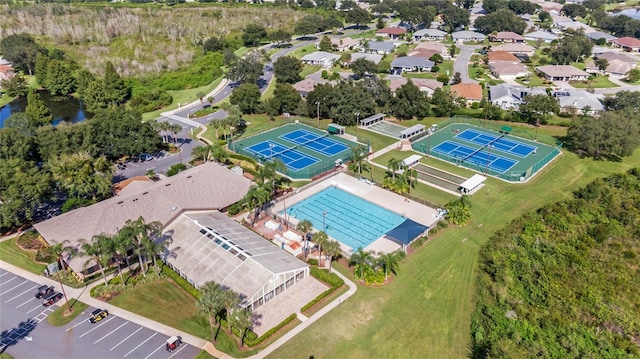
[(615, 134), (358, 160), (16, 85), (21, 50), (305, 227), (246, 70), (443, 102), (38, 113), (602, 63), (246, 96), (574, 10), (59, 80), (82, 175), (361, 260), (241, 320), (390, 262), (409, 102), (572, 48), (331, 22), (593, 4), (286, 98), (213, 44), (24, 186), (230, 301), (380, 23), (211, 304), (97, 252), (142, 233), (332, 249), (456, 79), (325, 44), (116, 91), (357, 16), (362, 67), (287, 69), (633, 75), (458, 211), (624, 100), (255, 198), (253, 33), (308, 24), (378, 89), (393, 165), (61, 251), (280, 37), (535, 108), (501, 20), (320, 238), (454, 17), (41, 66)]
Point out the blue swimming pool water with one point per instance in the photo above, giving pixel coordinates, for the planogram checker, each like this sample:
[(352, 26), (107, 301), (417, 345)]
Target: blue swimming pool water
[(350, 219)]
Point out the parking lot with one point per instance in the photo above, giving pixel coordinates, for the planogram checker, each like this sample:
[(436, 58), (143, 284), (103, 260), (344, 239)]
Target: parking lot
[(27, 334)]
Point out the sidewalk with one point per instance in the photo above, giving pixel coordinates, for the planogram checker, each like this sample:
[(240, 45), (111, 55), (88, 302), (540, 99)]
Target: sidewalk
[(195, 103)]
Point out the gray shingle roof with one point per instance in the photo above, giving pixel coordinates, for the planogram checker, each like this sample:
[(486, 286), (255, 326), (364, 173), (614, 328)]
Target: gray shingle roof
[(600, 35), (381, 45), (544, 35), (430, 32), (411, 62), (467, 35), (320, 56), (375, 58)]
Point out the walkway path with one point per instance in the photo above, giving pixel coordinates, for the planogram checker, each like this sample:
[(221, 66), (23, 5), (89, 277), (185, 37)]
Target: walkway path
[(461, 63)]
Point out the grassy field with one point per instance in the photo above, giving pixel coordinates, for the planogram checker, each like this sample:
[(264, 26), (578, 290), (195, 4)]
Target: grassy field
[(11, 253), (57, 319), (595, 82), (301, 51), (534, 80), (426, 310), (308, 70)]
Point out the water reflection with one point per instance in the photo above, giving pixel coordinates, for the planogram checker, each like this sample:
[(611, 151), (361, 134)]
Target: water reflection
[(67, 109)]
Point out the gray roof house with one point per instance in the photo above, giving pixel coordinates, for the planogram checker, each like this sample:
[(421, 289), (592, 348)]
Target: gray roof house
[(505, 97), (562, 73), (429, 34), (597, 35), (375, 58), (578, 100), (321, 58), (541, 35), (379, 47), (465, 35), (510, 97), (410, 64)]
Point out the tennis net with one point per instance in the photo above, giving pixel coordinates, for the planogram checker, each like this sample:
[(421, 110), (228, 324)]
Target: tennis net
[(271, 156), (314, 140)]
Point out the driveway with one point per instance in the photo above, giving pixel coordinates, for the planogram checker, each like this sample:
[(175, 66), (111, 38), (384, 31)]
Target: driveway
[(461, 64)]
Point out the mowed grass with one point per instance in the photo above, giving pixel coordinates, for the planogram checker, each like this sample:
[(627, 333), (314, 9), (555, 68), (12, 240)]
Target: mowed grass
[(425, 312), (11, 253), (58, 319), (595, 82), (165, 302)]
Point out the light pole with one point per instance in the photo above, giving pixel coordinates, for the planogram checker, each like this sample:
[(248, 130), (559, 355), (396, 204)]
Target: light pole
[(357, 123), (318, 109), (270, 151), (324, 213)]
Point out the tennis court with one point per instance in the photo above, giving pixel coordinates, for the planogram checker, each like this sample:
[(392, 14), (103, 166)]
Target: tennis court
[(495, 153), (306, 151), (499, 142)]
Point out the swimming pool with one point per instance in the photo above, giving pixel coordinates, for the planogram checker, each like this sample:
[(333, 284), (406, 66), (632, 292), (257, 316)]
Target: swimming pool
[(350, 219)]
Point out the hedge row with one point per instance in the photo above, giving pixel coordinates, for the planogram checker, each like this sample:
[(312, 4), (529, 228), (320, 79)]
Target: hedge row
[(317, 299), (242, 157), (181, 282), (270, 332), (330, 278)]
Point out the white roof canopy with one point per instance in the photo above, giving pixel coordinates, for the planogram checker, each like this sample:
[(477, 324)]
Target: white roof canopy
[(473, 182)]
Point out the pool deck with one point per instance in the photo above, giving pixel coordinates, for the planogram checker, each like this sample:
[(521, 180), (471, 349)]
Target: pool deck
[(372, 193)]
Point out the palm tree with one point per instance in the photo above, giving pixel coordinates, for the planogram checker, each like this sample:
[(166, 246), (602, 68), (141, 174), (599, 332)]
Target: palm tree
[(361, 260), (59, 251), (143, 232), (320, 238), (358, 160), (216, 124), (305, 227), (210, 304), (96, 251), (112, 250), (230, 301), (393, 165), (410, 176), (153, 248), (256, 197), (175, 129), (390, 262), (242, 320), (272, 168), (332, 249)]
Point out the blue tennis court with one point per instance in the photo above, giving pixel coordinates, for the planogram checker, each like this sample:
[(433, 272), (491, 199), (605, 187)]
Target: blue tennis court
[(475, 155), (315, 142), (293, 159), (498, 142)]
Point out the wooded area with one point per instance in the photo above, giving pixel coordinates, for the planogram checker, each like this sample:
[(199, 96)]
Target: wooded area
[(562, 282)]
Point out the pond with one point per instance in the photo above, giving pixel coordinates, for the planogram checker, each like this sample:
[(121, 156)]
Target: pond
[(64, 109)]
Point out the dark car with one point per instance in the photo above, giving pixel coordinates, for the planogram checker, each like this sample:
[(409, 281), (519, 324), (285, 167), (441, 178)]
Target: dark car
[(44, 291), (173, 343), (98, 314), (51, 299)]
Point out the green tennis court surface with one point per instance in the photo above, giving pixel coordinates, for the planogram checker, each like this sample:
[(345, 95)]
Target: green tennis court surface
[(489, 152)]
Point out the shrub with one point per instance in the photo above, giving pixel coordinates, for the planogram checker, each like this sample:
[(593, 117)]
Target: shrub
[(270, 332), (235, 209), (74, 203), (152, 100), (312, 261), (435, 68), (325, 74), (330, 278), (475, 105), (317, 299), (175, 169), (442, 224), (181, 282)]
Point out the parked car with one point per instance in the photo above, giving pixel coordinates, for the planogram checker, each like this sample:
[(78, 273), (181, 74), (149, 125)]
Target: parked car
[(44, 291), (173, 343), (98, 314), (51, 299)]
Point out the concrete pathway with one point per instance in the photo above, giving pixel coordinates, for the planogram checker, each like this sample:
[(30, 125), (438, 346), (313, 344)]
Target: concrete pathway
[(461, 64)]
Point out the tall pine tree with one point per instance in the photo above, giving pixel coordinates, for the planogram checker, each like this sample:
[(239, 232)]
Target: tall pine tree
[(116, 91), (38, 113)]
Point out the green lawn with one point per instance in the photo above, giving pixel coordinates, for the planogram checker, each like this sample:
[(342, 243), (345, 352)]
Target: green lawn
[(57, 319), (5, 99), (534, 80), (308, 70), (427, 308), (473, 73), (11, 253), (304, 50), (595, 82)]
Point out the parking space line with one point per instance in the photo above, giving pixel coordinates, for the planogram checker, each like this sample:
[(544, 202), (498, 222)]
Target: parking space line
[(30, 289), (9, 290), (82, 322), (39, 306), (174, 354), (153, 352), (111, 332), (98, 326), (139, 345), (8, 281), (25, 303), (3, 274), (125, 339)]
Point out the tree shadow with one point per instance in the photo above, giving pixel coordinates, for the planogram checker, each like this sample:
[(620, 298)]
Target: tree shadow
[(12, 336)]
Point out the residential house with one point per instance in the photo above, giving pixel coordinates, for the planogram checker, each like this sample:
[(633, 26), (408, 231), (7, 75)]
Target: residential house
[(304, 87), (410, 64), (429, 34), (344, 43), (425, 54), (574, 101), (375, 58), (3, 61), (436, 46), (629, 44), (562, 73), (471, 92), (573, 25), (6, 73), (505, 97), (393, 33), (320, 58), (615, 68), (462, 36), (508, 70), (544, 36), (633, 13), (506, 36), (510, 97), (610, 56), (597, 35), (518, 49), (379, 47), (425, 85), (502, 56)]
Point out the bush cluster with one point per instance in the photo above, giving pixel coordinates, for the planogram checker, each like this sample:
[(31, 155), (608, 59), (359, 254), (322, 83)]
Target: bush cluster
[(330, 278), (181, 282), (253, 342)]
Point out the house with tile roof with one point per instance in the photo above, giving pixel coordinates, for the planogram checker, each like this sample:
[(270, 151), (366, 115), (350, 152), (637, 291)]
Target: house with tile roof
[(562, 73), (468, 36), (515, 48), (629, 44), (304, 87), (471, 92), (508, 70), (543, 36), (393, 33), (436, 46), (344, 43), (502, 56), (506, 37), (425, 85), (429, 34)]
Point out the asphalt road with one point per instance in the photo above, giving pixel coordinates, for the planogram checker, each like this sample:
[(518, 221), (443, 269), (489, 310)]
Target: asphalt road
[(27, 334), (461, 64)]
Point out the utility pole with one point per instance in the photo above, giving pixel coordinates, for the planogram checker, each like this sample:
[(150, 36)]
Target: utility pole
[(318, 108)]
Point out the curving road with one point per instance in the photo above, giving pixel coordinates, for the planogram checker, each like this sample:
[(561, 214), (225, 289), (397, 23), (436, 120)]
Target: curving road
[(461, 64)]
